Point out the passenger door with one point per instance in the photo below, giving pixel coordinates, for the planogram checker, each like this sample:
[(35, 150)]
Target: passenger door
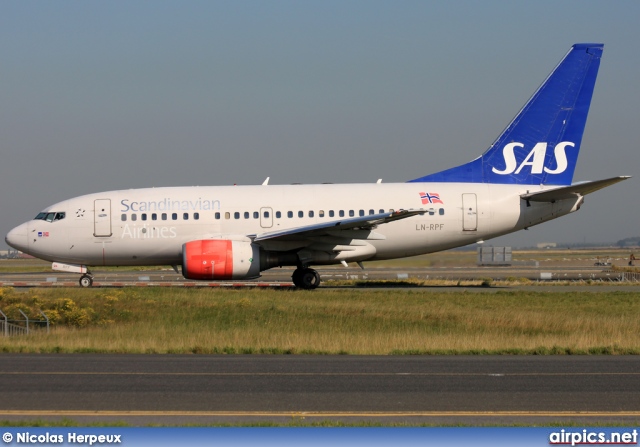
[(469, 212), (102, 218)]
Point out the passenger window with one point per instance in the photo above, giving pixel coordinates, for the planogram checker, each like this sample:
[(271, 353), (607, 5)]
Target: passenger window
[(143, 216), (289, 214), (196, 216), (361, 213), (300, 213), (321, 213), (154, 216), (185, 216), (341, 213), (134, 217), (331, 213), (236, 215), (381, 211), (217, 216), (123, 218), (174, 216), (164, 216), (256, 215), (227, 215), (278, 214), (310, 213), (351, 213), (371, 212), (266, 214), (432, 212), (441, 211)]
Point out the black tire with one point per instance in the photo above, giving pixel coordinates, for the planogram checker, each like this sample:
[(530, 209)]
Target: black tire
[(297, 277), (309, 279), (86, 281)]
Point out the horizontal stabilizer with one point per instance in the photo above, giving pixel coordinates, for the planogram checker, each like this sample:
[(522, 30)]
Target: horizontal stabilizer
[(572, 191)]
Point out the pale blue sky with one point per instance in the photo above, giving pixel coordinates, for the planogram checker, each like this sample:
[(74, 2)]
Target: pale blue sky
[(97, 96)]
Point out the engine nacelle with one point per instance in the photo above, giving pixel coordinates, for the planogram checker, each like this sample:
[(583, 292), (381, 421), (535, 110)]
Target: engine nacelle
[(220, 259)]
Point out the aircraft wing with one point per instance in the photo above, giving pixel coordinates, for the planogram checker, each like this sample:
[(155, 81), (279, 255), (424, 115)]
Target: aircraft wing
[(354, 223), (571, 191)]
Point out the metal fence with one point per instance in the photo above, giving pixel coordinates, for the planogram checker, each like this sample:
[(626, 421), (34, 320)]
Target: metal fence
[(10, 328), (494, 256), (630, 276)]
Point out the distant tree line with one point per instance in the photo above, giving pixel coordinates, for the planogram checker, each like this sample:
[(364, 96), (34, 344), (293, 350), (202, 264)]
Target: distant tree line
[(629, 242)]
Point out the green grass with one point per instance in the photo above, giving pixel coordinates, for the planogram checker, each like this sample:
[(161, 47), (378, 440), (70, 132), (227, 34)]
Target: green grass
[(327, 321)]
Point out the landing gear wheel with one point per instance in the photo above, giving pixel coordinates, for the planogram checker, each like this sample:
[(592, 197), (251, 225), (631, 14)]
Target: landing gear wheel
[(296, 278), (86, 281), (306, 278)]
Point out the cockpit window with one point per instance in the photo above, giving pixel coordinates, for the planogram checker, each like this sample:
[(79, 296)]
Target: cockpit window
[(50, 217)]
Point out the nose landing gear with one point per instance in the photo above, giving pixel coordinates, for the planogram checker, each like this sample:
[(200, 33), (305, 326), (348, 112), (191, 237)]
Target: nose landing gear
[(86, 280)]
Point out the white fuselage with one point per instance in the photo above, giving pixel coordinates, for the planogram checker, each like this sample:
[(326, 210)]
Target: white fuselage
[(150, 226)]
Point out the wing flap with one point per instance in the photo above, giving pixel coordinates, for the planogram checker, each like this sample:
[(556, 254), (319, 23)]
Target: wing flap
[(358, 224)]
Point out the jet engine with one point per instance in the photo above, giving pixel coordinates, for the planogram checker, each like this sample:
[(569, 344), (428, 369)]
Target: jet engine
[(220, 259)]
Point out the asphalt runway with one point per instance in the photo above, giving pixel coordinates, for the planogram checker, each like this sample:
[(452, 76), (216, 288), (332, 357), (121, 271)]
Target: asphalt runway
[(281, 277), (194, 389)]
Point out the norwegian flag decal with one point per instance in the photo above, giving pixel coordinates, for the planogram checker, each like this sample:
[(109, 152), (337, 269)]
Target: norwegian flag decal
[(430, 197)]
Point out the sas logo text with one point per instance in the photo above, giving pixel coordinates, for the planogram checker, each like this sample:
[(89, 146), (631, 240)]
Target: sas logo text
[(535, 159)]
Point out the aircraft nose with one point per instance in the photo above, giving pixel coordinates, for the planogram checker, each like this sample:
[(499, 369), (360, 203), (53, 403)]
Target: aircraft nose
[(17, 238)]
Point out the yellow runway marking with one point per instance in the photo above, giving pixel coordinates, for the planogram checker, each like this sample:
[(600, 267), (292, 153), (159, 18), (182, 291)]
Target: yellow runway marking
[(324, 413)]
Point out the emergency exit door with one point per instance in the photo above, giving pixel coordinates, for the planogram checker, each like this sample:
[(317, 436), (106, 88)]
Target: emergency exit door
[(266, 217)]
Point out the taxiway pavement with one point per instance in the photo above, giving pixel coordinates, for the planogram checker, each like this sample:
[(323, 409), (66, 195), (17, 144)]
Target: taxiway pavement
[(202, 389)]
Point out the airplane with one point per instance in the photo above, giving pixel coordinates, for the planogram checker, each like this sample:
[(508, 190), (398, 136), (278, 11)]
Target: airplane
[(235, 232)]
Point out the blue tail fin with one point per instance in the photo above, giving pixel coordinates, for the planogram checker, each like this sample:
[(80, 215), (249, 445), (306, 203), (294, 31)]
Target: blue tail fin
[(541, 144)]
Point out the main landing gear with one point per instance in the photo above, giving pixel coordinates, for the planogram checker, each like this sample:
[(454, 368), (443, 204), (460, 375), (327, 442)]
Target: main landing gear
[(86, 280), (305, 278)]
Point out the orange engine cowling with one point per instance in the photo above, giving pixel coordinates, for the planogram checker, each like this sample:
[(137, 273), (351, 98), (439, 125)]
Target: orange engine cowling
[(220, 259)]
